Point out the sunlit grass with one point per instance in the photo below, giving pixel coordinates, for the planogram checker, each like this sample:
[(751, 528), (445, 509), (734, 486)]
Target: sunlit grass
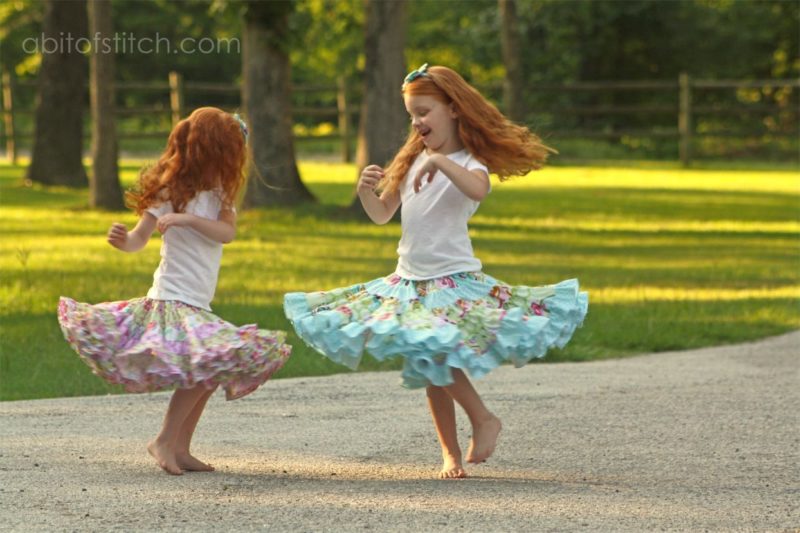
[(643, 226), (609, 177), (672, 259), (659, 178), (667, 294)]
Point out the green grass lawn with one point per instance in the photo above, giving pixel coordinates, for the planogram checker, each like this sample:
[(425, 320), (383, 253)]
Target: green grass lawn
[(671, 258)]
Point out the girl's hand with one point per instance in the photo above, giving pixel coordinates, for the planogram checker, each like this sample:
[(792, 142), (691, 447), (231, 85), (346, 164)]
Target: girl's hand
[(172, 219), (118, 236), (370, 177), (428, 170)]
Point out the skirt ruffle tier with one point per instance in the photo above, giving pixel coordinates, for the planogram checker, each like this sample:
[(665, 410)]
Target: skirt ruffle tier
[(151, 345), (469, 321)]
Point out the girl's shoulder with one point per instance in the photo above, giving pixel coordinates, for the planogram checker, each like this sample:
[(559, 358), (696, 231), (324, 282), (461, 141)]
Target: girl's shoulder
[(161, 205), (210, 194), (206, 203), (468, 160)]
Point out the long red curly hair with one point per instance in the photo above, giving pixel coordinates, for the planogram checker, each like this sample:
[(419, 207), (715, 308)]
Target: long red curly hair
[(507, 149), (206, 151)]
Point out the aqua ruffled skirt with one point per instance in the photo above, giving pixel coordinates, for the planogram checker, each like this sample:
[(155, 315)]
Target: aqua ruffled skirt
[(469, 321), (150, 345)]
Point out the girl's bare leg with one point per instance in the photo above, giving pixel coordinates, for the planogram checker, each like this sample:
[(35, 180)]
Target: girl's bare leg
[(164, 447), (444, 418), (185, 459), (485, 426)]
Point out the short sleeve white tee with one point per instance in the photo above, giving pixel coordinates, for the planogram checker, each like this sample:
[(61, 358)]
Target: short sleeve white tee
[(189, 260), (435, 240)]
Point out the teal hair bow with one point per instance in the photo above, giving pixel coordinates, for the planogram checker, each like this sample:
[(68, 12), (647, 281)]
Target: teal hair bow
[(414, 74), (242, 125)]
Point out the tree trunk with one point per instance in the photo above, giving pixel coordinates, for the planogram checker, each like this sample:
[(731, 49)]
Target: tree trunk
[(512, 85), (104, 188), (58, 138), (266, 94), (383, 125)]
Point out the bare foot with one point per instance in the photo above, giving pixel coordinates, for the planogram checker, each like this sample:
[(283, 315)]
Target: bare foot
[(190, 463), (484, 439), (451, 468), (165, 458)]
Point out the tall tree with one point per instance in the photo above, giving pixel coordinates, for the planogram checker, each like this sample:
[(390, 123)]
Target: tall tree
[(58, 138), (512, 84), (274, 178), (383, 125), (104, 188)]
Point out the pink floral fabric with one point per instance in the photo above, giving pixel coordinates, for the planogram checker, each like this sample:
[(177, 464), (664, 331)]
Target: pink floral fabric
[(150, 345)]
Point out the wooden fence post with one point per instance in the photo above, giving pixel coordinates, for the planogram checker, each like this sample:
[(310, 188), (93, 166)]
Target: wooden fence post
[(176, 96), (344, 119), (8, 118), (685, 119)]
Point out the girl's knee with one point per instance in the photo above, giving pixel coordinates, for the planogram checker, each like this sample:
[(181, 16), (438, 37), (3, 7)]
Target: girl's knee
[(433, 390)]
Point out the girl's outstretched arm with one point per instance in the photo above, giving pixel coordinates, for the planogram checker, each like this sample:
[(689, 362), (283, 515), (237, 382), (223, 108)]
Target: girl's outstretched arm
[(381, 208), (119, 237), (221, 230)]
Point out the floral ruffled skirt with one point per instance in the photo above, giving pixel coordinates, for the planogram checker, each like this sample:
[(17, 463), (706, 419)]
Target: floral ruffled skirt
[(469, 321), (151, 345)]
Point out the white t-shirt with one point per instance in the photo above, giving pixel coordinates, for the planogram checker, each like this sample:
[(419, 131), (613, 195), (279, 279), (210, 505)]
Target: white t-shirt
[(189, 260), (435, 241)]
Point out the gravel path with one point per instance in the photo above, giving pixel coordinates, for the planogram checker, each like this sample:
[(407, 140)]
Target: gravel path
[(697, 440)]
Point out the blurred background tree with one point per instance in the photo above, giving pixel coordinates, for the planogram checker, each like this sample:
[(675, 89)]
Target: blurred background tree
[(266, 95), (575, 41), (56, 157), (383, 126), (561, 41), (105, 190)]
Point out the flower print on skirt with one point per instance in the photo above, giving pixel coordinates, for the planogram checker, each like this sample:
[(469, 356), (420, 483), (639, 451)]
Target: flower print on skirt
[(468, 320), (151, 345)]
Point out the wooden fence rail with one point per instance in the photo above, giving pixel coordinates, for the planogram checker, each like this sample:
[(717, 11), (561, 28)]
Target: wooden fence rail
[(346, 108)]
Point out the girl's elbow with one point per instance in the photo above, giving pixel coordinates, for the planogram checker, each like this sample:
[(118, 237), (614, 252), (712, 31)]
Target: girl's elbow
[(478, 196), (477, 190), (135, 243), (378, 218), (384, 218), (228, 236)]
